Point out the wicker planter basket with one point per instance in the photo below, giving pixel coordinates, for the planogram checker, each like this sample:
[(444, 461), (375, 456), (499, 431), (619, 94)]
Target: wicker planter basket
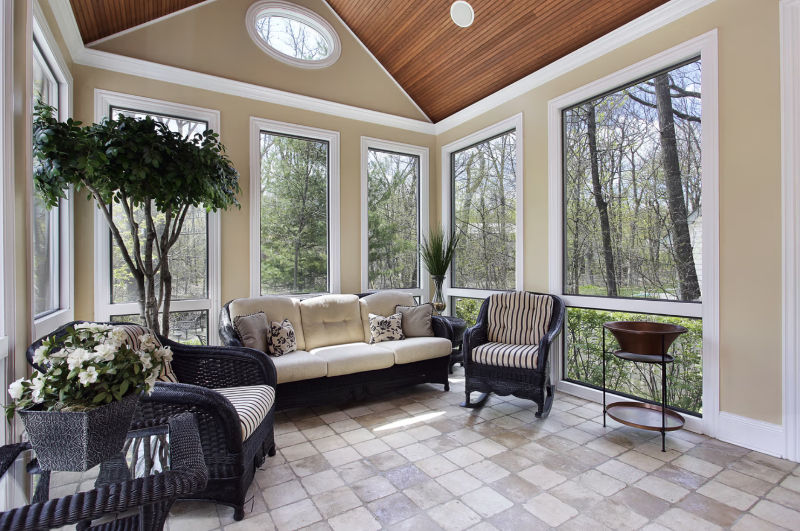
[(77, 441)]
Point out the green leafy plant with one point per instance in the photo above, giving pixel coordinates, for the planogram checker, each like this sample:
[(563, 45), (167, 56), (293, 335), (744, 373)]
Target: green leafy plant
[(153, 174), (89, 366), (437, 251)]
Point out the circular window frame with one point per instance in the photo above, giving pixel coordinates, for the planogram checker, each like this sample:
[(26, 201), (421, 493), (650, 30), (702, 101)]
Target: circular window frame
[(300, 14)]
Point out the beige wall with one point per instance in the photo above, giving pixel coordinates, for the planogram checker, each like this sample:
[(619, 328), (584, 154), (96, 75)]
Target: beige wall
[(212, 39), (749, 187)]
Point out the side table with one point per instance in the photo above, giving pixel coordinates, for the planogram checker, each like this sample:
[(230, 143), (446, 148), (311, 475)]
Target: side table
[(459, 327)]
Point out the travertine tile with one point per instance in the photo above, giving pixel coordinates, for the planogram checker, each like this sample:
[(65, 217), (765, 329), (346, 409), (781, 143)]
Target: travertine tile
[(416, 452), (336, 501), (487, 447), (757, 470), (463, 456), (284, 494), (420, 522), (260, 522), (600, 483), (288, 439), (641, 502), (358, 435), (680, 520), (298, 451), (458, 482), (777, 514), (751, 523), (295, 516), (274, 476), (792, 483), (359, 518), (421, 433), (486, 502), (749, 484), (550, 509), (487, 471), (727, 495), (605, 447), (511, 461), (326, 444), (387, 460), (787, 498), (322, 482), (309, 465), (406, 476), (680, 476), (428, 494), (621, 471), (201, 519), (518, 519), (342, 456), (697, 466), (399, 439), (355, 471), (616, 516), (640, 461), (318, 433), (393, 509), (662, 488), (373, 488), (576, 495), (371, 447), (542, 477), (454, 516)]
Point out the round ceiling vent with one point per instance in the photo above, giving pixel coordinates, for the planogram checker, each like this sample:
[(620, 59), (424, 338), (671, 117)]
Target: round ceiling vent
[(462, 13)]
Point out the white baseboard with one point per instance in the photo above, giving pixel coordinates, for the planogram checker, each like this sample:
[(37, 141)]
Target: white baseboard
[(753, 434)]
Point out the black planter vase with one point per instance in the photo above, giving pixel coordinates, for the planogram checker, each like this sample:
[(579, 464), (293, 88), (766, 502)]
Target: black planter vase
[(77, 441)]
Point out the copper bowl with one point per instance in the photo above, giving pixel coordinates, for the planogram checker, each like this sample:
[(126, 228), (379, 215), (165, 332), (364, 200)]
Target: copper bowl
[(644, 337)]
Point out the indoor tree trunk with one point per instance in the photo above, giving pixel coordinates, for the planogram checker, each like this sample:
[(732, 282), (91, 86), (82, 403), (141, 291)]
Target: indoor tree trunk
[(687, 273), (602, 206)]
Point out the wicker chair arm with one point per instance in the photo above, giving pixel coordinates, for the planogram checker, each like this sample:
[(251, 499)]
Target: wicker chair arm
[(221, 367), (175, 398), (556, 326), (442, 328), (227, 332), (187, 475)]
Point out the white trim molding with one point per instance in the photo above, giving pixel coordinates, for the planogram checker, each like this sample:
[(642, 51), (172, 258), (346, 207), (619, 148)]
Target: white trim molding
[(753, 434), (790, 194), (300, 14), (257, 125), (651, 21), (513, 123), (104, 100), (706, 47), (422, 153)]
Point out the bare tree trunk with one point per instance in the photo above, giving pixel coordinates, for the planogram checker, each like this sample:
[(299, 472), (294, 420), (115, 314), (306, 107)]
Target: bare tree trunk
[(687, 273), (151, 301), (602, 206)]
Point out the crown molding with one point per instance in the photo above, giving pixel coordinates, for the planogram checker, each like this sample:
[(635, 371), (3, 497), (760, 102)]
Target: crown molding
[(655, 19)]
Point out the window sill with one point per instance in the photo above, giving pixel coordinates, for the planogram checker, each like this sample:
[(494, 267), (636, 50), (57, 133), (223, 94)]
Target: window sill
[(52, 321)]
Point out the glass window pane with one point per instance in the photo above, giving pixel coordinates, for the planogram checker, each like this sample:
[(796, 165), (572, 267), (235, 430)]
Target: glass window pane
[(294, 215), (583, 359), (485, 213), (467, 309), (188, 258), (45, 226), (189, 328), (393, 210), (632, 165), (293, 38)]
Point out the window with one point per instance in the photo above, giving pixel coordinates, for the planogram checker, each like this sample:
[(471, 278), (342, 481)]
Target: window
[(482, 179), (50, 230), (295, 205), (632, 229), (394, 208), (194, 260), (293, 34)]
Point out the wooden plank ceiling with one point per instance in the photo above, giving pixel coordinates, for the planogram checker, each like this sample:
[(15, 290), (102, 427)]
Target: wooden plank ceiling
[(101, 18), (445, 68)]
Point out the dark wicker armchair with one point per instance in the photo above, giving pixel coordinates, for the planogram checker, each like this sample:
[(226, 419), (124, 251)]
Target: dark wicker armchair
[(508, 350), (202, 370)]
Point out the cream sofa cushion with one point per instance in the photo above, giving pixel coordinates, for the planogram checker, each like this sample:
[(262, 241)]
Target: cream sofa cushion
[(413, 349), (276, 309), (354, 357), (299, 365), (382, 303), (331, 320)]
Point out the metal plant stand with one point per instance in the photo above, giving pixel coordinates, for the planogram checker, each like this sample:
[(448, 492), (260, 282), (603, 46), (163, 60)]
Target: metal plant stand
[(644, 342)]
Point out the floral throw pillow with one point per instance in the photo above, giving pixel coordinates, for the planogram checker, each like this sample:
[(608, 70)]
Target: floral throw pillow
[(385, 328), (282, 340)]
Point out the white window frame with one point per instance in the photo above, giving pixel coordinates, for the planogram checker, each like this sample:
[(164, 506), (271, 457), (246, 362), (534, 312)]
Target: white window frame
[(422, 153), (513, 123), (48, 47), (706, 47), (104, 100), (259, 125)]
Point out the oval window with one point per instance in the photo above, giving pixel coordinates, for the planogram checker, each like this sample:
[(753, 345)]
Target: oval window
[(293, 34)]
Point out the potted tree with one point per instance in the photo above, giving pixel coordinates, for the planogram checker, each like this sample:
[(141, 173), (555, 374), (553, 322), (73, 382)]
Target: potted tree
[(437, 251), (153, 174), (78, 409)]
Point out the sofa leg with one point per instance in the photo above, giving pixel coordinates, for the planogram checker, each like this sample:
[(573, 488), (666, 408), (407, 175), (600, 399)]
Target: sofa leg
[(477, 404), (238, 513), (447, 386), (271, 451)]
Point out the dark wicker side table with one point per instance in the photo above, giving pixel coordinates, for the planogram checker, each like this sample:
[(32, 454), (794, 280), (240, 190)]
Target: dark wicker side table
[(459, 327)]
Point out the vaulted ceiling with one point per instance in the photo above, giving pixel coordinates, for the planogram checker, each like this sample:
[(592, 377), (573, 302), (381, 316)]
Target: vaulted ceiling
[(443, 68)]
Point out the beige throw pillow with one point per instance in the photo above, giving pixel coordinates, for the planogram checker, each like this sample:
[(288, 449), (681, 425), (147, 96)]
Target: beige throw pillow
[(417, 320), (385, 328), (282, 340), (253, 330)]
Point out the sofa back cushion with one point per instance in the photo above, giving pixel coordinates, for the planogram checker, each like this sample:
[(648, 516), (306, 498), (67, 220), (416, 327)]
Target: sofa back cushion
[(519, 317), (382, 303), (276, 309), (331, 320)]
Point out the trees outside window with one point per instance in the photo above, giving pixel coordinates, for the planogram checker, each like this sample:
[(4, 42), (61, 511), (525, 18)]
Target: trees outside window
[(485, 213), (293, 250), (393, 209), (633, 224)]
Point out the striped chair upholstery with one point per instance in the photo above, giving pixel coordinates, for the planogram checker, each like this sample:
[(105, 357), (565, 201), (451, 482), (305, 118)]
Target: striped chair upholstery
[(134, 332), (504, 355), (518, 318), (252, 403)]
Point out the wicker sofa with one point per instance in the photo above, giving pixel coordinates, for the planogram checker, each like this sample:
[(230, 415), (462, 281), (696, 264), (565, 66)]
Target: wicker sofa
[(334, 362)]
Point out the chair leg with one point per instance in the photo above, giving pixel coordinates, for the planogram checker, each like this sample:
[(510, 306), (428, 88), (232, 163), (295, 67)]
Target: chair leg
[(238, 513), (546, 404), (478, 403)]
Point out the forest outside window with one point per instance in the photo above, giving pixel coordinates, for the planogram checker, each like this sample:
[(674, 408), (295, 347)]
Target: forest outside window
[(294, 240), (633, 226)]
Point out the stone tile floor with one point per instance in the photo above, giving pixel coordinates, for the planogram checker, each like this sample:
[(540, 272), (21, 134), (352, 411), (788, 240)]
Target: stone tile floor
[(415, 460)]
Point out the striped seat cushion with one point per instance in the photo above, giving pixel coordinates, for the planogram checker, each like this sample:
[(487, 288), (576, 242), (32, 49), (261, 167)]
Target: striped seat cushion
[(519, 318), (252, 403), (505, 355), (134, 332)]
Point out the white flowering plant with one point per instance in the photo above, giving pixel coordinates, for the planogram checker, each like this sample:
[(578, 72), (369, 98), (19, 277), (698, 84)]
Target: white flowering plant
[(88, 366)]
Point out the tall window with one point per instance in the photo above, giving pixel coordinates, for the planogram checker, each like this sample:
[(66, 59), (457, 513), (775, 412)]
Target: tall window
[(294, 250), (193, 260), (46, 223), (633, 219)]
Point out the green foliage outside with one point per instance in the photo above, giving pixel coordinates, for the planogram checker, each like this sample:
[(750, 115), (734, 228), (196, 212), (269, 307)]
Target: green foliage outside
[(584, 359), (294, 215), (393, 214), (468, 309)]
